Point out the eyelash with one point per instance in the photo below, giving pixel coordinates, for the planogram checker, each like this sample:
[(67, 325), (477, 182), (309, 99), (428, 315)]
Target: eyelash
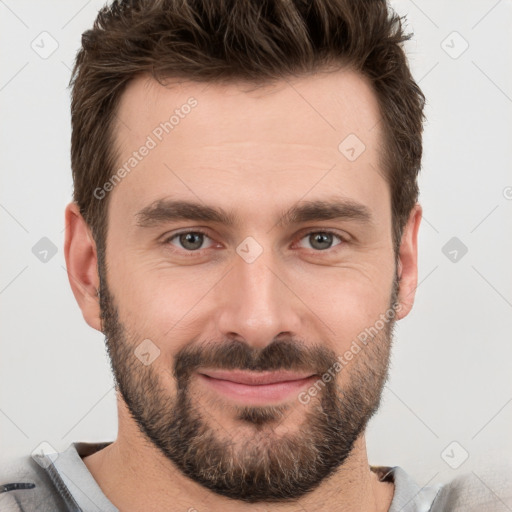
[(168, 239)]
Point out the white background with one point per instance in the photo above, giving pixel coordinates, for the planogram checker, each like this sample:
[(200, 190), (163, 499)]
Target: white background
[(451, 377)]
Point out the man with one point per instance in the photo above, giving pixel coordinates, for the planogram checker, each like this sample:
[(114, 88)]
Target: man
[(244, 233)]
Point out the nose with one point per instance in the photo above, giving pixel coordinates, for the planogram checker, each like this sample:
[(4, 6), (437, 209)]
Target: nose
[(257, 303)]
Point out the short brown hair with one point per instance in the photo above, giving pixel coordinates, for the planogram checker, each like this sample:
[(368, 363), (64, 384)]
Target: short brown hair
[(230, 40)]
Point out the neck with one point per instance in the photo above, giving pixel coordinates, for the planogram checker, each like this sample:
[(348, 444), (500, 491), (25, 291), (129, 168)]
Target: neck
[(135, 475)]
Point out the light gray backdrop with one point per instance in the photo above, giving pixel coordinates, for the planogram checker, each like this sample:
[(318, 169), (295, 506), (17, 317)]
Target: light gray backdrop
[(447, 408)]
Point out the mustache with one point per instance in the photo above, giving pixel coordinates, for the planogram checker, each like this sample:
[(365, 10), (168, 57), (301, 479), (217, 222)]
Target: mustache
[(281, 354)]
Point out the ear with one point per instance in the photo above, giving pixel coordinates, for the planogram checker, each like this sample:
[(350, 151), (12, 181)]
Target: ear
[(408, 263), (82, 265)]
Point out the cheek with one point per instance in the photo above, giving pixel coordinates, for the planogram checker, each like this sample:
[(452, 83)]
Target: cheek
[(345, 302), (163, 303)]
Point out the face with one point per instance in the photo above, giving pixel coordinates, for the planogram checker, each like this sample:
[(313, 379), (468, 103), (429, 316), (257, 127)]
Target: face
[(246, 242)]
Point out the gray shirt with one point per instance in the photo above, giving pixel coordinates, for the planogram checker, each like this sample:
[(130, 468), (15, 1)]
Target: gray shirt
[(62, 482)]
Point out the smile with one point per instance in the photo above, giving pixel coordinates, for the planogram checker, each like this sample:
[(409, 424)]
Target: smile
[(256, 388)]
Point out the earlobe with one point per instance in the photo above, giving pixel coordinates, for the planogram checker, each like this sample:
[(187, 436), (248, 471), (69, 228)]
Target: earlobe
[(82, 265), (408, 263)]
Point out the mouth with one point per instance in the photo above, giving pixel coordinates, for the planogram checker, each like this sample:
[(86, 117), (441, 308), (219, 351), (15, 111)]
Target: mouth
[(256, 388)]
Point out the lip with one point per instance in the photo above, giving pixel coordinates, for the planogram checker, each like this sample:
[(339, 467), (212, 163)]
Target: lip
[(255, 378), (256, 388)]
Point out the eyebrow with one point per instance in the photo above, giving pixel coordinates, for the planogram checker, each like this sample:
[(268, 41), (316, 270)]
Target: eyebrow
[(168, 210)]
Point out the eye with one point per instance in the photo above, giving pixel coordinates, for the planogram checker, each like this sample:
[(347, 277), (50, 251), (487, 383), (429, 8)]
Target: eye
[(321, 240), (192, 241), (189, 240)]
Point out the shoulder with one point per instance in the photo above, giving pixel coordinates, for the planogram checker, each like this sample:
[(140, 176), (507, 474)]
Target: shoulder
[(481, 490), (26, 486)]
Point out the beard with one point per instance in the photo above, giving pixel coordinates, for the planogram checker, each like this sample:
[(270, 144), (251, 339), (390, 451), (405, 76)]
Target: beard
[(253, 464)]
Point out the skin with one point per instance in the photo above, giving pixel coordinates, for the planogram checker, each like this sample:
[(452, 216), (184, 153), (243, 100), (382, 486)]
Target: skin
[(256, 153)]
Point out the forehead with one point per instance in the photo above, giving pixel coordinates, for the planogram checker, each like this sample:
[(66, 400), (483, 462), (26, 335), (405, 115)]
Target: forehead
[(313, 135), (328, 101)]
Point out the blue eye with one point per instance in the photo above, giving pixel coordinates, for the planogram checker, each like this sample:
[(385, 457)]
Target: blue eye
[(321, 240), (192, 241), (189, 240)]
